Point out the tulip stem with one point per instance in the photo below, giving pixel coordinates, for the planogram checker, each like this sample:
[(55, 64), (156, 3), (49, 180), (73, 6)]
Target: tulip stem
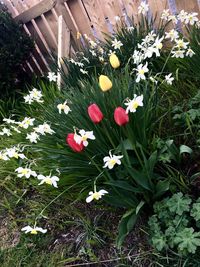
[(108, 135)]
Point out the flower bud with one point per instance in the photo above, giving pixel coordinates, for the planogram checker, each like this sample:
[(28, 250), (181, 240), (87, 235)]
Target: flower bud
[(120, 116), (72, 143), (105, 83), (95, 113), (114, 61)]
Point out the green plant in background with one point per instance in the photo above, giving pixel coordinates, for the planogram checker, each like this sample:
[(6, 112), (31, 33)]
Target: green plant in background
[(175, 224), (15, 48)]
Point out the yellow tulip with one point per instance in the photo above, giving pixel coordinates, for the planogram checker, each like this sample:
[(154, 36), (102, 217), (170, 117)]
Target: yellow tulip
[(105, 83), (114, 61)]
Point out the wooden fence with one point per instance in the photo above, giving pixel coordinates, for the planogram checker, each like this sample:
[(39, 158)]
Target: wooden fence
[(54, 23)]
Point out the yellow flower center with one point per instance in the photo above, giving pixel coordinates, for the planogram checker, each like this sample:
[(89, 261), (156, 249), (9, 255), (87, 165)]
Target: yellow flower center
[(159, 46), (15, 155), (48, 181), (135, 105), (84, 137), (34, 232), (141, 72), (96, 195), (112, 162), (25, 171)]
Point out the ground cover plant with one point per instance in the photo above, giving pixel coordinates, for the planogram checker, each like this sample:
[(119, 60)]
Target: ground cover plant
[(119, 131)]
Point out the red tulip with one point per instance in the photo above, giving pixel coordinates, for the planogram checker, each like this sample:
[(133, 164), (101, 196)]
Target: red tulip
[(120, 116), (72, 143), (95, 113)]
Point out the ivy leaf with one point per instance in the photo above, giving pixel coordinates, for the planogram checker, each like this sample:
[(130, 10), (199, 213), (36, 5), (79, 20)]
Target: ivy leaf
[(179, 204), (187, 240)]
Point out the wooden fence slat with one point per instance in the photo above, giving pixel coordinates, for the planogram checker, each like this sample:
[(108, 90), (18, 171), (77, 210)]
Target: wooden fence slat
[(93, 17), (63, 45), (35, 11)]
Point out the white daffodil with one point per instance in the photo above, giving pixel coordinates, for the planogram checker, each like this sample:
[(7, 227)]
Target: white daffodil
[(137, 57), (190, 52), (34, 95), (173, 35), (9, 121), (116, 44), (83, 71), (94, 54), (43, 129), (178, 53), (3, 155), (6, 131), (26, 123), (92, 44), (141, 70), (143, 8), (96, 195), (111, 160), (165, 14), (25, 172), (28, 99), (63, 107), (169, 79), (52, 76), (83, 137), (14, 153), (173, 19), (180, 44), (182, 15), (133, 104), (33, 230), (33, 137), (48, 180), (191, 18)]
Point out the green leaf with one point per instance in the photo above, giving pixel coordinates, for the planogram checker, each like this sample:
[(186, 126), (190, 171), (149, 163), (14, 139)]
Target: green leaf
[(161, 187), (126, 225), (140, 178), (179, 204), (185, 149), (139, 206), (124, 185), (187, 240)]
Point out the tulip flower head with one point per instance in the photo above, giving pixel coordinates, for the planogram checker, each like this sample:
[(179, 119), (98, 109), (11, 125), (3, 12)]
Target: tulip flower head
[(120, 116), (95, 113), (105, 83), (111, 160), (114, 61), (73, 144), (96, 195), (33, 230)]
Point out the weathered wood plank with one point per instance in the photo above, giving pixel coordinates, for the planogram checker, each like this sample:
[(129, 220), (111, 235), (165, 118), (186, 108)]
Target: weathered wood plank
[(36, 10)]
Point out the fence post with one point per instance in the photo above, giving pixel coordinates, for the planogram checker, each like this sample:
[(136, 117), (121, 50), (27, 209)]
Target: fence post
[(63, 46)]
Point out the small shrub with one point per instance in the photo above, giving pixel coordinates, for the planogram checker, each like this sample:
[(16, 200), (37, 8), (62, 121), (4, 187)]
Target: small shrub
[(15, 48), (175, 224)]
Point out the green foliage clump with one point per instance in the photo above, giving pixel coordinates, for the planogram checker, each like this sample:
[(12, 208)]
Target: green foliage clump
[(15, 48), (175, 224)]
